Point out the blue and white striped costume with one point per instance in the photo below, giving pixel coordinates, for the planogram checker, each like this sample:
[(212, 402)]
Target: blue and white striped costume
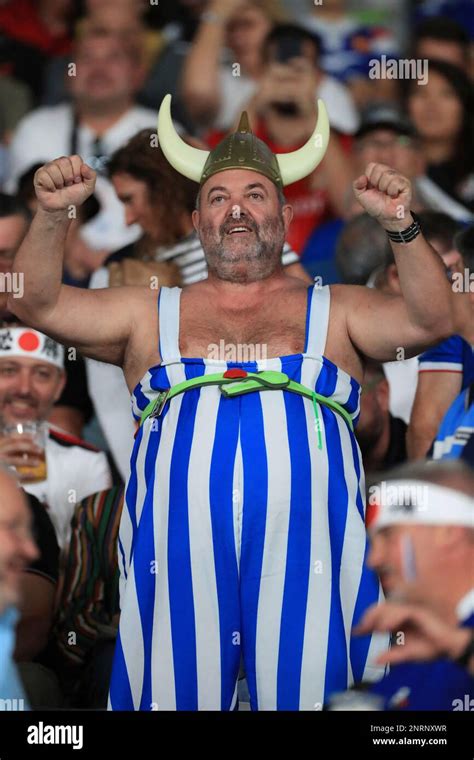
[(240, 537)]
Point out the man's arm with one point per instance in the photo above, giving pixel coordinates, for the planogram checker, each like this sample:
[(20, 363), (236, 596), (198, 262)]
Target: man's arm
[(388, 327), (98, 322)]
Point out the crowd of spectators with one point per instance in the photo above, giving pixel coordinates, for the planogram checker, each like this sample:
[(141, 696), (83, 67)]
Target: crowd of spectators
[(88, 78)]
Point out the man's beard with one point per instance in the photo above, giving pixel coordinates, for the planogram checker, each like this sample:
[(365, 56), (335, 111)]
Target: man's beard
[(257, 257)]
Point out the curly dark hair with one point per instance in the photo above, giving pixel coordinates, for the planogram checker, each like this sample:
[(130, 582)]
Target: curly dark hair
[(170, 193)]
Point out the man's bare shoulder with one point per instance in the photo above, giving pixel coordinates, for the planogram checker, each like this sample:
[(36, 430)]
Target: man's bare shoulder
[(348, 297)]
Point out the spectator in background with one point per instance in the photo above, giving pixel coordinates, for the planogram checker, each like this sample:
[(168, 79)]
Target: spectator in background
[(283, 112), (31, 379), (14, 221), (17, 550), (217, 100), (89, 603), (231, 33), (123, 19), (443, 39), (101, 117), (448, 368), (348, 46), (385, 136), (424, 554), (361, 248), (32, 32), (442, 111), (169, 249), (381, 436), (455, 437), (38, 587)]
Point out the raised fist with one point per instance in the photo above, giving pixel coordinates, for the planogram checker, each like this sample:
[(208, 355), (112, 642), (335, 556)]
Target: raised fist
[(386, 195), (64, 182)]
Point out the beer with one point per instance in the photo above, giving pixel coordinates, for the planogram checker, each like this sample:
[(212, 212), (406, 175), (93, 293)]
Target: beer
[(37, 432), (33, 473)]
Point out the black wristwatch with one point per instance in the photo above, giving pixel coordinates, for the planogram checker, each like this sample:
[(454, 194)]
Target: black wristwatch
[(406, 236), (467, 652)]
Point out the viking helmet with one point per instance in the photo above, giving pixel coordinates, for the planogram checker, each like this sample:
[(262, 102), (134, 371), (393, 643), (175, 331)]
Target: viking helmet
[(242, 150)]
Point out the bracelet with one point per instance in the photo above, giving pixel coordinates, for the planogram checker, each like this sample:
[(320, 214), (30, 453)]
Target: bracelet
[(467, 653), (407, 235)]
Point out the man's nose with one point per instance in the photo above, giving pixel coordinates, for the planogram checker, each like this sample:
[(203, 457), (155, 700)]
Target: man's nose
[(237, 210), (24, 383), (131, 216), (30, 549)]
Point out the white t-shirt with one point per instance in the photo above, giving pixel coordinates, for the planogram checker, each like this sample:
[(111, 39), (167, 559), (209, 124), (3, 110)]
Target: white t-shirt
[(237, 91), (46, 133), (75, 469), (402, 378)]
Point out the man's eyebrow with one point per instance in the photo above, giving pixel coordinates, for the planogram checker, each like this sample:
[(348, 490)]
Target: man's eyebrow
[(256, 184), (217, 187)]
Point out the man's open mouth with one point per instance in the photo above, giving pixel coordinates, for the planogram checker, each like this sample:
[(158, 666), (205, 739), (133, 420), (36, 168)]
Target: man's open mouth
[(239, 229)]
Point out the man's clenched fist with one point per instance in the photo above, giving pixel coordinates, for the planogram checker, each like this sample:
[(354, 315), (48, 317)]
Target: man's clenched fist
[(64, 182), (386, 195)]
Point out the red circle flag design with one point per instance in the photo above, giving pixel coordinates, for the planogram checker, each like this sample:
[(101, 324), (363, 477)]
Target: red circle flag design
[(28, 341)]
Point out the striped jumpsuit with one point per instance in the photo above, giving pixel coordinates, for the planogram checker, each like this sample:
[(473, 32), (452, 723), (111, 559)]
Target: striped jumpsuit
[(240, 538)]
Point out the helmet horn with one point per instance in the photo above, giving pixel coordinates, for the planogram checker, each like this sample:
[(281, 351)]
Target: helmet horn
[(301, 162), (184, 158)]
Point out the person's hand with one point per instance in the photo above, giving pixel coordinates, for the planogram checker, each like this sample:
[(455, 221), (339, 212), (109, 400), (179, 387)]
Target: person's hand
[(386, 195), (294, 82), (19, 451), (425, 635), (64, 182)]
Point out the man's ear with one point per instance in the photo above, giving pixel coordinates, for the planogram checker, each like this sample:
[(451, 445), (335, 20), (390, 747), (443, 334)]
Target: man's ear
[(287, 213), (383, 394), (195, 217)]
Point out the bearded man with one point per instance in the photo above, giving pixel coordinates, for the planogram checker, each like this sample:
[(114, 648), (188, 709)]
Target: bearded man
[(243, 531)]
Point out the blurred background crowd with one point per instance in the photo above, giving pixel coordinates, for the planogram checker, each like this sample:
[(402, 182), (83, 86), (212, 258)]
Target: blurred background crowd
[(88, 78)]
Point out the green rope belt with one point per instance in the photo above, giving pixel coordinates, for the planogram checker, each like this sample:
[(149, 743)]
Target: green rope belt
[(236, 383)]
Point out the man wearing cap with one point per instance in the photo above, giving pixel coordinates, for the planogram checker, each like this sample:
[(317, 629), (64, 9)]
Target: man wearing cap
[(243, 531), (31, 380), (421, 524)]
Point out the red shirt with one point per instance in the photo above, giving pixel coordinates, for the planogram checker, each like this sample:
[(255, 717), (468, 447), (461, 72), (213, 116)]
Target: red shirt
[(19, 21)]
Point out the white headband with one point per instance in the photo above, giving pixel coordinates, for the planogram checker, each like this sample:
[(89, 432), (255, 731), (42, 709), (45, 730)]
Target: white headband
[(397, 502), (24, 341)]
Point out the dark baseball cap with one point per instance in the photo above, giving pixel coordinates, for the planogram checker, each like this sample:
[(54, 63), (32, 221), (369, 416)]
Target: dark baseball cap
[(385, 116)]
